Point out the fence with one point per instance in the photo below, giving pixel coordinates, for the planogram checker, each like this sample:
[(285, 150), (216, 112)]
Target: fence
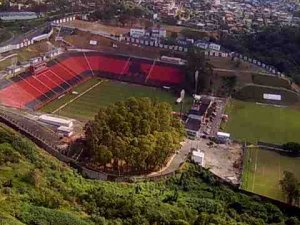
[(63, 20), (156, 44), (208, 52)]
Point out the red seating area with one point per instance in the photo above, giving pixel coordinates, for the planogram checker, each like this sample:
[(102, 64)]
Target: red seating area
[(76, 64), (166, 74), (107, 64), (35, 90)]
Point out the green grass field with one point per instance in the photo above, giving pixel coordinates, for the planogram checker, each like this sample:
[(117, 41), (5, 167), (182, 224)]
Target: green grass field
[(106, 93), (263, 169), (252, 122)]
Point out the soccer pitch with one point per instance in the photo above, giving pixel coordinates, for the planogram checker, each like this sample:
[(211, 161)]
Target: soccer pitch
[(95, 93), (253, 122), (263, 169)]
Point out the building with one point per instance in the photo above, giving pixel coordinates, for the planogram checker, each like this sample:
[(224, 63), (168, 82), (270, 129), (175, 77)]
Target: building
[(198, 157), (223, 137), (196, 116), (55, 121), (214, 46), (65, 131), (10, 16), (137, 32), (158, 33)]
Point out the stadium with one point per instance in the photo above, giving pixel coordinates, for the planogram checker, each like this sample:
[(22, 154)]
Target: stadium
[(45, 82)]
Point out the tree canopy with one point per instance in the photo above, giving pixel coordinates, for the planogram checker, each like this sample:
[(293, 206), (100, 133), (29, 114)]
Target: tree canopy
[(292, 147), (198, 62), (276, 46), (38, 189), (135, 135), (290, 186)]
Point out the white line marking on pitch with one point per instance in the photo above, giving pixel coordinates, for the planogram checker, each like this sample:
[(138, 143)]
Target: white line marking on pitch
[(255, 167), (78, 96)]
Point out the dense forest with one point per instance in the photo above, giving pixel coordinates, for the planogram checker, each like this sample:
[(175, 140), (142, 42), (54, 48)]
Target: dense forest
[(36, 189), (276, 46), (135, 135)]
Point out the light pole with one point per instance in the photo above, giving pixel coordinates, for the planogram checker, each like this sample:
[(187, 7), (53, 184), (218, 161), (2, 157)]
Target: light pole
[(196, 81)]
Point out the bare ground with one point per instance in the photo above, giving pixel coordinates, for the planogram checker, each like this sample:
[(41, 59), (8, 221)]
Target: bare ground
[(223, 160)]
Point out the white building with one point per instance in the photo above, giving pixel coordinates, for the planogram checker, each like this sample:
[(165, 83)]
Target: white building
[(214, 46), (198, 157), (65, 131), (159, 33), (8, 16), (137, 32), (51, 120), (223, 137)]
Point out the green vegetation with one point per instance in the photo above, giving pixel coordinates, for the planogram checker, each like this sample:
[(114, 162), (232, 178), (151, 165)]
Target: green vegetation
[(198, 62), (272, 81), (4, 35), (135, 135), (290, 187), (277, 46), (253, 122), (123, 10), (108, 92), (37, 189), (293, 148), (192, 33), (255, 93), (263, 170)]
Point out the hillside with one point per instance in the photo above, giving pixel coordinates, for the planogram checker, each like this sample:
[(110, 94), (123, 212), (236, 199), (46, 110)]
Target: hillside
[(37, 189), (277, 46)]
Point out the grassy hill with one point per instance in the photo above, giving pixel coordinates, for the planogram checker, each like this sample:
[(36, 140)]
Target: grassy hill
[(36, 189), (255, 93)]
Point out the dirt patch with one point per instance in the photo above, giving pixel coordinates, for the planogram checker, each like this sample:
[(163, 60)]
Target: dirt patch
[(82, 40), (96, 27), (223, 160)]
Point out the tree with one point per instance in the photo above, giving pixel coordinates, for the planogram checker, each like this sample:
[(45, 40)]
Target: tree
[(292, 147), (290, 186), (198, 62), (133, 136), (174, 35)]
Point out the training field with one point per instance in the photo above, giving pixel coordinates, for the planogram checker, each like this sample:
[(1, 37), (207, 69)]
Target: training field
[(263, 169), (252, 122), (95, 93)]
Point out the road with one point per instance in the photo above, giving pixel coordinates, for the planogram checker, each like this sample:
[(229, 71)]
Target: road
[(175, 161)]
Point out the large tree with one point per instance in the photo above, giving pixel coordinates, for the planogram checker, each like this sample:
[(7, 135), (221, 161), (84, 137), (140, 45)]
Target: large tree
[(198, 62), (290, 186), (134, 135)]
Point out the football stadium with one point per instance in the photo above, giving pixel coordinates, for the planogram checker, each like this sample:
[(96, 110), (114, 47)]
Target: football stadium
[(46, 82)]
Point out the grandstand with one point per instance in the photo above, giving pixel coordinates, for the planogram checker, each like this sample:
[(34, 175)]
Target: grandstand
[(44, 83)]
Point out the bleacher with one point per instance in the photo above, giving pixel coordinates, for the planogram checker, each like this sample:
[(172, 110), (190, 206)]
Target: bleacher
[(44, 83)]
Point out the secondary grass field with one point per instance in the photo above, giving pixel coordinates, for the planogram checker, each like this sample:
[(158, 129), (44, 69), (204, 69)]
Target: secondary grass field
[(253, 122), (95, 93), (263, 169)]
